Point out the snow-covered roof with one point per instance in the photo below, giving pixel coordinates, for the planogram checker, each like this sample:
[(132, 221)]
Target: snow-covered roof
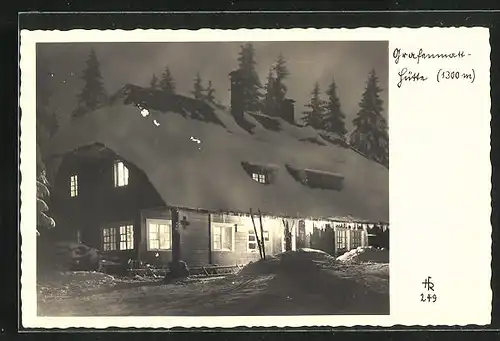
[(197, 163)]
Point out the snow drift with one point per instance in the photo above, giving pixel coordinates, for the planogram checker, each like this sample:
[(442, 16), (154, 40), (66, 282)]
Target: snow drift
[(365, 254)]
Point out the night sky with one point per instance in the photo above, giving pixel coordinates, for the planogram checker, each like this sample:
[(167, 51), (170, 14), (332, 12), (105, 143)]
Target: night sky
[(61, 66)]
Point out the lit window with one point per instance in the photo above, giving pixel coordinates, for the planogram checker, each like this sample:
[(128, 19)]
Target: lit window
[(159, 235), (120, 174), (356, 238), (341, 239), (252, 240), (259, 177), (73, 185), (127, 237), (109, 239), (222, 237)]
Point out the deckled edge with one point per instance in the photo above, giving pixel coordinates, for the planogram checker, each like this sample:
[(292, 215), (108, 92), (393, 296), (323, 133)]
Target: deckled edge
[(380, 29)]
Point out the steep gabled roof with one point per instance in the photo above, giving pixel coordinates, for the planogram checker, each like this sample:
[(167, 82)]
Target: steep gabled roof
[(198, 161)]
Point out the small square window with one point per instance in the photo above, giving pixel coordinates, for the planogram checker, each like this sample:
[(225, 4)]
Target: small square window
[(259, 177)]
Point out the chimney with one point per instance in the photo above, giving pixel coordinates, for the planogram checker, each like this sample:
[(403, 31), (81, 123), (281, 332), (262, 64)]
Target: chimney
[(236, 95)]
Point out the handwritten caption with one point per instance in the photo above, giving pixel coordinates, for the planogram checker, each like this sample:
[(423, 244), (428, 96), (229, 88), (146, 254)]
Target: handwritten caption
[(429, 296), (441, 75)]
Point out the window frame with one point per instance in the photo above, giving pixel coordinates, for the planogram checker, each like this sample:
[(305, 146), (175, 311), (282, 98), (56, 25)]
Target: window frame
[(222, 227), (259, 177), (112, 241), (341, 238), (129, 242), (73, 185), (356, 238), (251, 233), (159, 222), (125, 178)]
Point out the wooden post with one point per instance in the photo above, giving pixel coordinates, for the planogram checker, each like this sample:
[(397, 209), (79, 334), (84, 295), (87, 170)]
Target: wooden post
[(176, 240), (209, 239), (262, 236), (349, 238), (335, 239), (256, 234)]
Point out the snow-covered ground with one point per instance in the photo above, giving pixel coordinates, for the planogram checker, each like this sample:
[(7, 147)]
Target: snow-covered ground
[(306, 282), (365, 254)]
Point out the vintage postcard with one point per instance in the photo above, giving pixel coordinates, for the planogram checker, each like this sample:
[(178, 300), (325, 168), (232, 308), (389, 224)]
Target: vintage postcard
[(277, 178)]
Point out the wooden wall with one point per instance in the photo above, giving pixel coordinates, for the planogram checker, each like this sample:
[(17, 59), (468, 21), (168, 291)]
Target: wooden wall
[(99, 204), (196, 246)]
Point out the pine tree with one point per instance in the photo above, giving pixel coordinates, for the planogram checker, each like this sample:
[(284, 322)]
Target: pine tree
[(93, 93), (153, 83), (46, 125), (334, 118), (281, 72), (275, 88), (167, 82), (250, 79), (370, 135), (198, 90), (269, 96), (209, 96), (44, 221), (314, 117)]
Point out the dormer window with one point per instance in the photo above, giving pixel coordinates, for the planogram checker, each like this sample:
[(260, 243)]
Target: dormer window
[(120, 174), (73, 186), (263, 174), (317, 178), (260, 177)]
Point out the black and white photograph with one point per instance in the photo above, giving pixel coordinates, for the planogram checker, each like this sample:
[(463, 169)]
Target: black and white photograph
[(212, 178)]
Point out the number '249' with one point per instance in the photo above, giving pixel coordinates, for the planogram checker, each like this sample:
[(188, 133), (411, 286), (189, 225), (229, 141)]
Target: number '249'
[(428, 298)]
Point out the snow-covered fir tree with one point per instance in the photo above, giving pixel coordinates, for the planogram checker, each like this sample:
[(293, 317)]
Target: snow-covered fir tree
[(167, 82), (315, 116), (269, 102), (209, 92), (275, 88), (46, 125), (251, 96), (281, 73), (198, 90), (93, 93), (334, 118), (371, 133)]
